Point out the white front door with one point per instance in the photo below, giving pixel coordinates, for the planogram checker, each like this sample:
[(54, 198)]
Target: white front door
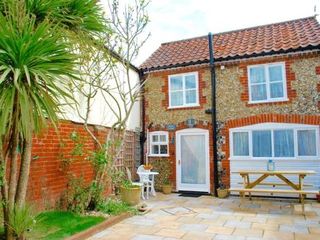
[(192, 160)]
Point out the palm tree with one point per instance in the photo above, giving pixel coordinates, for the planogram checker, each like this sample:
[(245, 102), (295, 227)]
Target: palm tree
[(37, 60)]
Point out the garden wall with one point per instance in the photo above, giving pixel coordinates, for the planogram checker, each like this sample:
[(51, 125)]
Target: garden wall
[(57, 156)]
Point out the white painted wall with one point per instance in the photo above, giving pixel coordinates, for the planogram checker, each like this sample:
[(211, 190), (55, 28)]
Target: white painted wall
[(101, 113)]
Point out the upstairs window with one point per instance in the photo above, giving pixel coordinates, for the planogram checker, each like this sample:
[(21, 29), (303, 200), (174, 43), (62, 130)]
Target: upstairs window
[(159, 144), (267, 83), (183, 90)]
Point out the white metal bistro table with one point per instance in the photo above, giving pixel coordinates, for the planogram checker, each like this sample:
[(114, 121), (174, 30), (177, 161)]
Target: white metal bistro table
[(150, 175)]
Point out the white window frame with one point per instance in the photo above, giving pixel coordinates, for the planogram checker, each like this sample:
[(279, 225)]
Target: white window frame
[(272, 127), (183, 75), (158, 133), (266, 72)]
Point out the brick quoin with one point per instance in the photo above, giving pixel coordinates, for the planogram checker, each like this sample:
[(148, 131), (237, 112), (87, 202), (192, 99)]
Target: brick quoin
[(262, 118), (48, 174)]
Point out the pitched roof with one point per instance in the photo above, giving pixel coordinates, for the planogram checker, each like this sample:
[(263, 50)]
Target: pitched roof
[(289, 36)]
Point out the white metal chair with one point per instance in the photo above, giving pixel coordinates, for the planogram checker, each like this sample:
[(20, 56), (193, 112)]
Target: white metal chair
[(145, 180), (141, 185)]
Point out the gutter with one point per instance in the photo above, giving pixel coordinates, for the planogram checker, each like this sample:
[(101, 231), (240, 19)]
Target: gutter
[(213, 113)]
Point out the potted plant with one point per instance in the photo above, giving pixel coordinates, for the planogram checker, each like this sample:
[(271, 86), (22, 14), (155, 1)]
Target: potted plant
[(130, 193), (166, 186), (147, 166), (222, 191)]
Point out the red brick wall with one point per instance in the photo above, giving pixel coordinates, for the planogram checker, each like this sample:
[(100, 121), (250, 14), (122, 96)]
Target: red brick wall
[(262, 118), (49, 172)]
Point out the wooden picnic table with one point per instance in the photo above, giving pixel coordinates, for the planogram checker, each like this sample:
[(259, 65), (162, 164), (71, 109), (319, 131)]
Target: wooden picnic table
[(248, 185), (280, 174)]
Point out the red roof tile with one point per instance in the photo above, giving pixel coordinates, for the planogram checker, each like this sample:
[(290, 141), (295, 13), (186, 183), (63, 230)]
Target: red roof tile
[(300, 34)]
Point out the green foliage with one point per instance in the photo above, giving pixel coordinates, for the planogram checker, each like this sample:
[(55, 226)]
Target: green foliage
[(74, 15), (78, 144), (163, 166), (21, 219), (33, 67), (128, 184), (114, 207), (77, 195), (117, 177), (80, 196), (60, 225), (99, 158)]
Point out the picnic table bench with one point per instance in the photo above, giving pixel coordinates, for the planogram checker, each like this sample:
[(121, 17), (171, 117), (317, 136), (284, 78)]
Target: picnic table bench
[(296, 188)]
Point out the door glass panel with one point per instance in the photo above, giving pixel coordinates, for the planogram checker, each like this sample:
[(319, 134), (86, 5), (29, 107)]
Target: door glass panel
[(193, 159)]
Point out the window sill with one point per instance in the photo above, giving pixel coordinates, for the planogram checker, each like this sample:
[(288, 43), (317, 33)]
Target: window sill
[(158, 155), (270, 101), (184, 106)]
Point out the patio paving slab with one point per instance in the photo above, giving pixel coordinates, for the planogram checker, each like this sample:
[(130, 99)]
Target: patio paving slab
[(173, 217)]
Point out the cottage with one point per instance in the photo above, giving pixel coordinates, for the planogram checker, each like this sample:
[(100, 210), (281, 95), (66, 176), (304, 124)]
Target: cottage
[(266, 96)]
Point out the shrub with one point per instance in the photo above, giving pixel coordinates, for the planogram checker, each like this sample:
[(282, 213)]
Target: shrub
[(114, 207)]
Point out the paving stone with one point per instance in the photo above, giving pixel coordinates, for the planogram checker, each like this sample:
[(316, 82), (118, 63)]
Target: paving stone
[(276, 235), (248, 232), (265, 226), (301, 236), (208, 216), (189, 219), (211, 218), (193, 227), (237, 224), (230, 217), (281, 220), (218, 222), (228, 237), (198, 235), (220, 230), (146, 237), (315, 230), (101, 234), (293, 228), (254, 219), (175, 233), (147, 229)]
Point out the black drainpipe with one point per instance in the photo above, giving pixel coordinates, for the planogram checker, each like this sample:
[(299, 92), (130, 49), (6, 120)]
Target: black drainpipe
[(143, 132), (213, 114)]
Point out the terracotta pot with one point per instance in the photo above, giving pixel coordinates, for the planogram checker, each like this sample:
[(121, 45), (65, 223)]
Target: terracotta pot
[(130, 195), (167, 188), (318, 197), (223, 193)]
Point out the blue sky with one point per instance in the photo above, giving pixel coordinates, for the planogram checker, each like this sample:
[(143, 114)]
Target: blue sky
[(179, 19)]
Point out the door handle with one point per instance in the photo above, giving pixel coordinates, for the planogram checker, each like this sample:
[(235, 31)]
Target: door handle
[(179, 162)]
